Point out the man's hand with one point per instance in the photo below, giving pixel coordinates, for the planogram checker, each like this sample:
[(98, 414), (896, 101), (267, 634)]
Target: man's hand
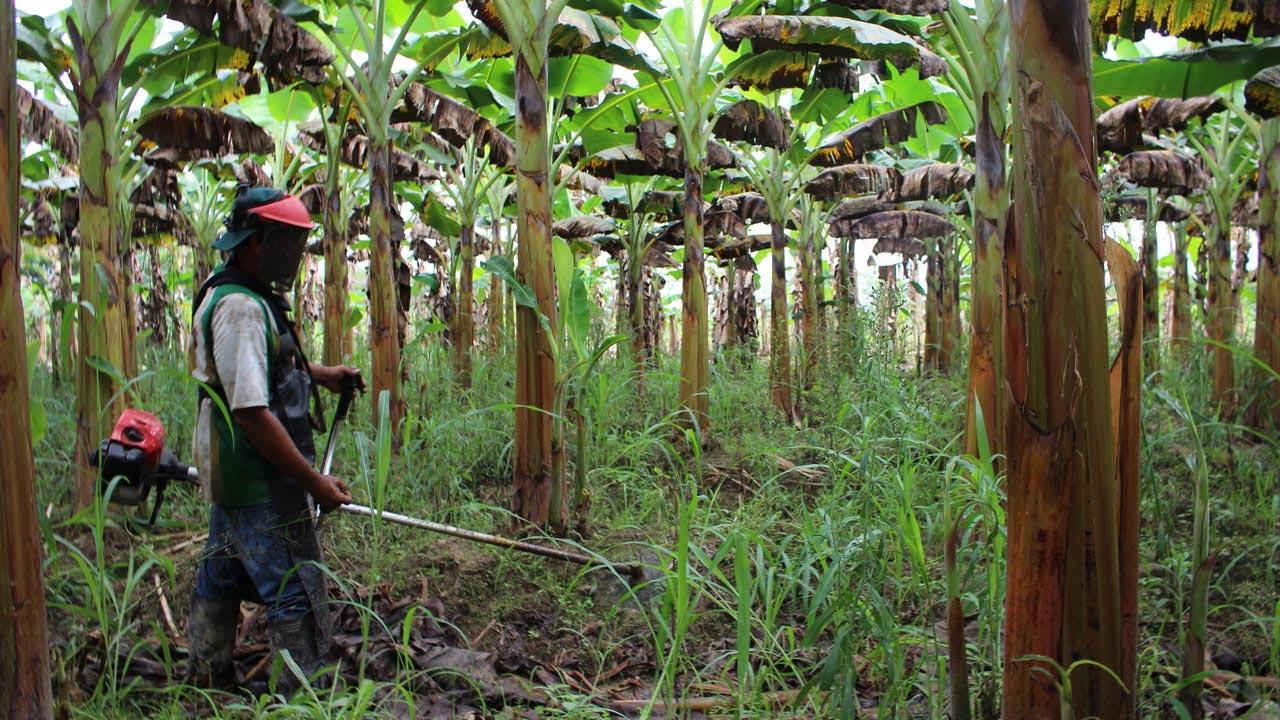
[(330, 492), (332, 377), (269, 437)]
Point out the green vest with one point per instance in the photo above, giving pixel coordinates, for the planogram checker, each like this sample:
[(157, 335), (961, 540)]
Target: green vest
[(241, 476)]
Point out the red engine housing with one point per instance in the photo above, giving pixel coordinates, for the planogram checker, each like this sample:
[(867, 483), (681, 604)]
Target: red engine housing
[(142, 430)]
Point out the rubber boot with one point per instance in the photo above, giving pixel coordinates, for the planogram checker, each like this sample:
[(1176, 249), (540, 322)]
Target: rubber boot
[(211, 637), (300, 637)]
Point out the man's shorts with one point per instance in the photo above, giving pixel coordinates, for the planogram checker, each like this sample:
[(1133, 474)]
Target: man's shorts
[(247, 557)]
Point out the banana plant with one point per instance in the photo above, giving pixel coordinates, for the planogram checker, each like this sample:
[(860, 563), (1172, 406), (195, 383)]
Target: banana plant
[(1063, 599), (1227, 149), (980, 75), (1262, 95), (469, 184), (101, 37), (376, 89), (496, 201)]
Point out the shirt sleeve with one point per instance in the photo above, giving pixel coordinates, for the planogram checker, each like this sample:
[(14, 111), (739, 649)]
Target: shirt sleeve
[(240, 351)]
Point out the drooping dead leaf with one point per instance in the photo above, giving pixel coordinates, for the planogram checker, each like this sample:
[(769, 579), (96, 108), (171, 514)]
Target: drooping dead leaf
[(893, 224), (37, 123), (657, 151), (1196, 21), (749, 121), (853, 179), (900, 7), (1120, 128), (287, 52), (454, 122), (936, 180), (1163, 169), (735, 248), (749, 207), (875, 133), (908, 247), (198, 133), (1262, 92), (583, 226), (355, 152), (826, 36), (1131, 206)]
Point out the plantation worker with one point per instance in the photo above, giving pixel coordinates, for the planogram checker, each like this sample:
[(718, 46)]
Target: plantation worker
[(254, 447)]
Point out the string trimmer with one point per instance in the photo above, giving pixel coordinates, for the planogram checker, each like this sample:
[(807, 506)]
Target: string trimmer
[(136, 459)]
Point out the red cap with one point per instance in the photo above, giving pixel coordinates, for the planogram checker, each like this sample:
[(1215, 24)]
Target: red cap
[(288, 210)]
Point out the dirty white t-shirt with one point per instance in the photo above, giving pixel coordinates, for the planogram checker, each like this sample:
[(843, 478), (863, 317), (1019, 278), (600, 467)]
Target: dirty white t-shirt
[(238, 361)]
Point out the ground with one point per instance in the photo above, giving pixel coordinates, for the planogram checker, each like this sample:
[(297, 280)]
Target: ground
[(811, 583)]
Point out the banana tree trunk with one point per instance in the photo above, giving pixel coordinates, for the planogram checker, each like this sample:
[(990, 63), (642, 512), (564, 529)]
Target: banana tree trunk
[(1180, 318), (1126, 433), (104, 336), (950, 301), (722, 326), (933, 313), (694, 340), (819, 302), (497, 296), (65, 291), (779, 337), (335, 271), (464, 324), (384, 339), (635, 309), (538, 496), (1150, 287), (24, 644), (986, 311), (1264, 412), (1220, 318), (808, 311), (1063, 579)]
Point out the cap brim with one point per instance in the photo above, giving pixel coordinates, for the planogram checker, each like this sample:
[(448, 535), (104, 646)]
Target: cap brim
[(230, 239)]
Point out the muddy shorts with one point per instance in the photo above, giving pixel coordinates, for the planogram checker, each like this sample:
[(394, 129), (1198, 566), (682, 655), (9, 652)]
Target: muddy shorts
[(248, 557)]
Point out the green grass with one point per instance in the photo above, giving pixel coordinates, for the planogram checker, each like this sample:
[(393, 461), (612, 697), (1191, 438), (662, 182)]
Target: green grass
[(801, 569)]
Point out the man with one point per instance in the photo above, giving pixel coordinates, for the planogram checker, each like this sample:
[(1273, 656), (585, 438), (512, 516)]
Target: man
[(254, 448)]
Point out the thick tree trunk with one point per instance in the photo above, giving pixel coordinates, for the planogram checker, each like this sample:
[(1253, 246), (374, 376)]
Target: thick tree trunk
[(1063, 583), (1180, 318), (1220, 318), (335, 271), (384, 337), (104, 335), (464, 323), (1150, 287), (24, 641), (1264, 411), (538, 490), (779, 337), (695, 341)]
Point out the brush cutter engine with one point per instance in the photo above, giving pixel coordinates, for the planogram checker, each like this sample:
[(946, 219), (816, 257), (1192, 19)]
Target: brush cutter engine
[(135, 458)]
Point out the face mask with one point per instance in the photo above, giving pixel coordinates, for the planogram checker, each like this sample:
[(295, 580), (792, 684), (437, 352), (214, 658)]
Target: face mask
[(282, 250)]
